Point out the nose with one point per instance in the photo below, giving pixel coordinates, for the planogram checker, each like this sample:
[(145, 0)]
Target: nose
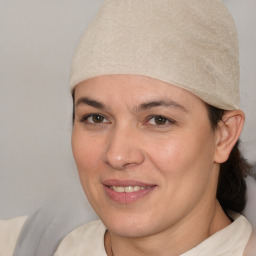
[(124, 148)]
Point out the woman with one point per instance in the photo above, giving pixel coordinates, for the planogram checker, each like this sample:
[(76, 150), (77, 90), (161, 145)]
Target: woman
[(155, 85)]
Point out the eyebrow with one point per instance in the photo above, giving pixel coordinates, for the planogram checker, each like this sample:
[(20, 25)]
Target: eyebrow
[(160, 103), (90, 102), (141, 107)]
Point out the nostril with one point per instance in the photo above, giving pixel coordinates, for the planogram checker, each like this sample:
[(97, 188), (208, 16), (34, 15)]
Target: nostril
[(124, 159)]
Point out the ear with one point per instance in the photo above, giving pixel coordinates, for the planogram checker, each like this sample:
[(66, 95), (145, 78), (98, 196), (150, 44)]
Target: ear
[(228, 132)]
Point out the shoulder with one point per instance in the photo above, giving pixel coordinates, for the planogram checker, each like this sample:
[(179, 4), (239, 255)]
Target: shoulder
[(250, 213), (9, 233), (250, 209), (230, 241), (250, 246), (88, 230), (250, 249), (87, 239)]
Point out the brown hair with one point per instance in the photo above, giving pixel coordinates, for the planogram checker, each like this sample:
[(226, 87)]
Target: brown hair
[(231, 192)]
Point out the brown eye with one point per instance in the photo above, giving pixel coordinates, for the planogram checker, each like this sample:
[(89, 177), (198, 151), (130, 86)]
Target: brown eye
[(160, 120), (97, 119), (94, 119)]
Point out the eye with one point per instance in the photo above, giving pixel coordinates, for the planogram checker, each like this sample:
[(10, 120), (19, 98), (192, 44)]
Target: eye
[(160, 121), (94, 119)]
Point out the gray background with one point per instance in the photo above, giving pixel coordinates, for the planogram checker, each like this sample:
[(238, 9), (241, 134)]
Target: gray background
[(37, 41)]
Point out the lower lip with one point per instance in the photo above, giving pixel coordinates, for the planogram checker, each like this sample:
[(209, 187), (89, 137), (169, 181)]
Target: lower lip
[(127, 198)]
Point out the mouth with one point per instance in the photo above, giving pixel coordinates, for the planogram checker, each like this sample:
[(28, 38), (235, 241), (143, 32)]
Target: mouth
[(125, 192), (127, 189)]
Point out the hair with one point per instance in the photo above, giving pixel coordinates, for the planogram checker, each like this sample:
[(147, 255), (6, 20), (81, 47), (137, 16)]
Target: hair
[(231, 191)]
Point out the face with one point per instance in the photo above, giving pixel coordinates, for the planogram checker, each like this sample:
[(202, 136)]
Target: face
[(144, 150)]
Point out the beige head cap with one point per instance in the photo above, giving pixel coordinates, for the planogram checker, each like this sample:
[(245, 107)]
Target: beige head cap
[(188, 43)]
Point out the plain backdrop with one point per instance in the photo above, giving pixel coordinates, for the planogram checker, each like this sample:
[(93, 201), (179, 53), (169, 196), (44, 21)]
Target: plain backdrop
[(37, 42)]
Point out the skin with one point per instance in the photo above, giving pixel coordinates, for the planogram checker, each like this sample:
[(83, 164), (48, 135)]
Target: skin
[(127, 142)]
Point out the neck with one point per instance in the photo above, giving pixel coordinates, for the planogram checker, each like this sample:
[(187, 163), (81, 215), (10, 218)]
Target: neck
[(200, 224)]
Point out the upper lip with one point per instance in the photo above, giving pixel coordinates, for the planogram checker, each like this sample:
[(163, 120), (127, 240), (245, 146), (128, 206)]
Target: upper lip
[(126, 183)]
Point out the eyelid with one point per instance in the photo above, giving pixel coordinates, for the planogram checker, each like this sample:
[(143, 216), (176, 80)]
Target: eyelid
[(85, 118), (169, 120)]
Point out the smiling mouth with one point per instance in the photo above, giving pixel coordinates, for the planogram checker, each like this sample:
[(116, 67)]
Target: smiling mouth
[(127, 189)]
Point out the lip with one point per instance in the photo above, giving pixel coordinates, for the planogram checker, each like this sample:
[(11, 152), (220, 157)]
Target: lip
[(127, 198), (125, 183)]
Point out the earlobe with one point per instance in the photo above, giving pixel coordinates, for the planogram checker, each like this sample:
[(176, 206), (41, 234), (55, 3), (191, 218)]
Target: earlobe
[(228, 132)]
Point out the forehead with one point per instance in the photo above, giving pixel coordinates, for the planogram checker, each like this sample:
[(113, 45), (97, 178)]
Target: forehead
[(134, 89)]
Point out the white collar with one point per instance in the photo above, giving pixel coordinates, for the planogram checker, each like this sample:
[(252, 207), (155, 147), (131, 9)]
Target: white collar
[(230, 241)]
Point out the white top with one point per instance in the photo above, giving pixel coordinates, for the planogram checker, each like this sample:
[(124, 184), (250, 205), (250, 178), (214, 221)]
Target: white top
[(9, 232), (89, 240)]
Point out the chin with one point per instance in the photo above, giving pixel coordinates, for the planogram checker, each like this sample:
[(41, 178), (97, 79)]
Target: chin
[(131, 230), (129, 225)]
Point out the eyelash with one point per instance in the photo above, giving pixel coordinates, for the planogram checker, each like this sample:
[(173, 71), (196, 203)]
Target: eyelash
[(167, 121), (85, 118)]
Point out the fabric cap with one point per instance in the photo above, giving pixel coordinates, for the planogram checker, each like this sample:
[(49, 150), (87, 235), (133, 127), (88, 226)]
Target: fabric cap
[(191, 44)]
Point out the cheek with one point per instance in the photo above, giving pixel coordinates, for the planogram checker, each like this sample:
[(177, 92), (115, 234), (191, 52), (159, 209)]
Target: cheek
[(184, 160), (167, 156), (85, 149), (87, 157), (87, 154), (185, 166)]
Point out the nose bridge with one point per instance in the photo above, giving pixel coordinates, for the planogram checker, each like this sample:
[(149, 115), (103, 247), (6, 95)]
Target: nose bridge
[(124, 147)]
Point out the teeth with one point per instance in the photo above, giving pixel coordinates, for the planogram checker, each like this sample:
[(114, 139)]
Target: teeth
[(119, 189), (128, 189), (136, 188)]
